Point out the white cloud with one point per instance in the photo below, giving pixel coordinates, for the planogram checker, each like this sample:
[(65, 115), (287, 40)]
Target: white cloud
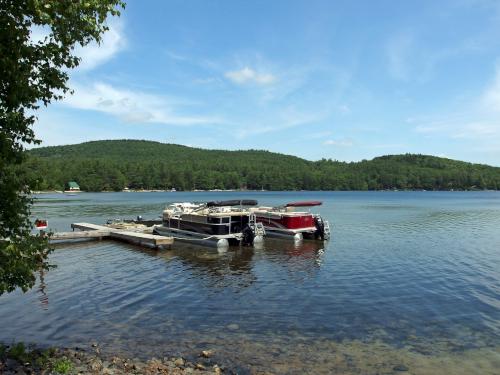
[(93, 54), (132, 106), (340, 143), (248, 75)]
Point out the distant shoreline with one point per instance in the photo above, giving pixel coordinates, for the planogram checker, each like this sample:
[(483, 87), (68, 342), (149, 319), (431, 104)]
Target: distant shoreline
[(252, 191), (122, 164)]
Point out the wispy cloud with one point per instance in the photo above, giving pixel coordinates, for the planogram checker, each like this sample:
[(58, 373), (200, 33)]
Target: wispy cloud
[(175, 56), (207, 80), (344, 109), (385, 146), (480, 121), (133, 106), (277, 121), (474, 125), (398, 50), (93, 54), (319, 135), (465, 128), (339, 142), (491, 97), (248, 75), (411, 58), (478, 130)]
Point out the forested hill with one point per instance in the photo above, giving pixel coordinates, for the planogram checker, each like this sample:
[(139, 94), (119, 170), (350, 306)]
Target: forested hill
[(114, 165)]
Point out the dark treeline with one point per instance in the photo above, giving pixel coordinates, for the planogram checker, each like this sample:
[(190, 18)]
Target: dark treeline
[(114, 165)]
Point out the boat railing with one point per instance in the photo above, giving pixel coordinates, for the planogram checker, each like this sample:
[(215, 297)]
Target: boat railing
[(257, 227)]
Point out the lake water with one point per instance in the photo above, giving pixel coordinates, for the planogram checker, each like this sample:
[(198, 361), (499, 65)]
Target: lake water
[(409, 280)]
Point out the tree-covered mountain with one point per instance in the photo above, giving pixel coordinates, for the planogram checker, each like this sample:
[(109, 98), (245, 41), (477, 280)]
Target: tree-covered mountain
[(113, 165)]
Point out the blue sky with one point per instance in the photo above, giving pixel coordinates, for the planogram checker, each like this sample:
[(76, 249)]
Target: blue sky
[(346, 80)]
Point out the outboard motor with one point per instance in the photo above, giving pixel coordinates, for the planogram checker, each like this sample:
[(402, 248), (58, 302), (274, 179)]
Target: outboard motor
[(248, 236), (320, 228)]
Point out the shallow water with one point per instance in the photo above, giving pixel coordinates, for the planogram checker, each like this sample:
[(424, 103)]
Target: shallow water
[(409, 278)]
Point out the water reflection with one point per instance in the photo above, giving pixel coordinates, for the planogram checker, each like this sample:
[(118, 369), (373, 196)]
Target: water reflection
[(231, 269), (42, 290), (234, 268), (310, 252)]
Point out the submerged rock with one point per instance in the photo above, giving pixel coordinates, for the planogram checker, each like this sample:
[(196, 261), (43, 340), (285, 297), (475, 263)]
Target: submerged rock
[(95, 365), (199, 366), (207, 353), (179, 362), (400, 368)]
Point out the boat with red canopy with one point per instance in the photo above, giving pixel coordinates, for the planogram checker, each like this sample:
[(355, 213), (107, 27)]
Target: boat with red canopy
[(304, 204), (283, 221)]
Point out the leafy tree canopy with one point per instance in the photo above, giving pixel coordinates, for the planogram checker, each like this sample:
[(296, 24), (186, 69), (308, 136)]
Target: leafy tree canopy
[(32, 73), (113, 165)]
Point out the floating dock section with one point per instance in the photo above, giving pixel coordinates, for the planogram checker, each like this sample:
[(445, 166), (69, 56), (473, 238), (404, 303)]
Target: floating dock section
[(87, 230)]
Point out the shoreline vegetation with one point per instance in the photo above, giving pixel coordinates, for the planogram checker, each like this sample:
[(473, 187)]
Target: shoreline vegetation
[(152, 166), (19, 358), (239, 190), (348, 357)]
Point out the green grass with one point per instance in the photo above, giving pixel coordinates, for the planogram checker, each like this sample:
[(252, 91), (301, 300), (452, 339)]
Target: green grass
[(62, 366), (19, 353), (44, 359)]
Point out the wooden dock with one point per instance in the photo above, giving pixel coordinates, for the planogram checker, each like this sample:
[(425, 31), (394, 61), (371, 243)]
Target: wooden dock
[(87, 230)]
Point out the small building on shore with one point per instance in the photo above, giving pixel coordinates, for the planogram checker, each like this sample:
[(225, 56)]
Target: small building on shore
[(72, 186)]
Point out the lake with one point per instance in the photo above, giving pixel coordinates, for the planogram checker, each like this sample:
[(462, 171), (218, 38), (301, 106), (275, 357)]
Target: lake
[(409, 280)]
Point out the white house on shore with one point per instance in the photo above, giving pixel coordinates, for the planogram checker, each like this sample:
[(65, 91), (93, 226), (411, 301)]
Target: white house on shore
[(73, 186)]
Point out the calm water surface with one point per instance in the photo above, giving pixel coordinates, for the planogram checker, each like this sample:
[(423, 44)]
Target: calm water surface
[(408, 278)]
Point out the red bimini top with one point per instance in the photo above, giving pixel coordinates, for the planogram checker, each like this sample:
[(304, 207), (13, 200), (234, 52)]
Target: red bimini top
[(41, 224), (304, 204)]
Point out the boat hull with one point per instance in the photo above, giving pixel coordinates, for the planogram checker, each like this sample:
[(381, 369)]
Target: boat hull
[(287, 235), (289, 226), (202, 239)]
